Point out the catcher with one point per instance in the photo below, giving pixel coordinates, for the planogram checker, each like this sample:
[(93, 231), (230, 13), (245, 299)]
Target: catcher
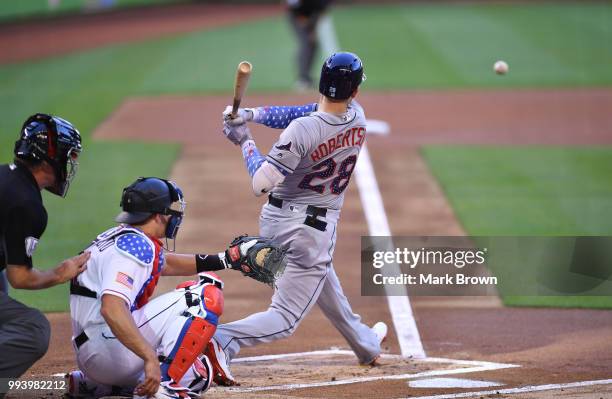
[(126, 344)]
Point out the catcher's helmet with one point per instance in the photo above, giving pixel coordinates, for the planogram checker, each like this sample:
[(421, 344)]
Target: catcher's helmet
[(150, 195), (341, 74), (54, 140)]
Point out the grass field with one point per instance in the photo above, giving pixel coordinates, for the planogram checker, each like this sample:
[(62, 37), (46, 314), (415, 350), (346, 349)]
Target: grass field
[(528, 191), (433, 46), (439, 47)]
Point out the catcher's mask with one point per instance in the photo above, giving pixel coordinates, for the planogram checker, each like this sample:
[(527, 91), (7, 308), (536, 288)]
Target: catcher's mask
[(151, 195), (53, 140)]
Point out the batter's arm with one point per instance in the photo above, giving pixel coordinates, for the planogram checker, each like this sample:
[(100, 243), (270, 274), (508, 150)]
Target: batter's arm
[(115, 312), (279, 117), (264, 175)]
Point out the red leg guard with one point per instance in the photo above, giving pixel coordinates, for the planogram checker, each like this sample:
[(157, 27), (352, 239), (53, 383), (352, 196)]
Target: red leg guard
[(213, 299), (193, 340)]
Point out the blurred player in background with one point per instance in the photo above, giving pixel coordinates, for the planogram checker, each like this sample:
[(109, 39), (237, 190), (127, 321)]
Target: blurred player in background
[(46, 157), (304, 16)]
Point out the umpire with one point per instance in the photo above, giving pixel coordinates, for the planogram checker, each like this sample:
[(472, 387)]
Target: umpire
[(46, 157)]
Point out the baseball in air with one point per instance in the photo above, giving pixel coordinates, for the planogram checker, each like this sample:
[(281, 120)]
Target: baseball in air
[(501, 67)]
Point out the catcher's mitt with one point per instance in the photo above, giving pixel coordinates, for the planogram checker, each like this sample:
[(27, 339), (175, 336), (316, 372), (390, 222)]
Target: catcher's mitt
[(258, 258)]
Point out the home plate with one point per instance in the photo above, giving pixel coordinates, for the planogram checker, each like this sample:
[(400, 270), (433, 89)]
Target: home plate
[(451, 383)]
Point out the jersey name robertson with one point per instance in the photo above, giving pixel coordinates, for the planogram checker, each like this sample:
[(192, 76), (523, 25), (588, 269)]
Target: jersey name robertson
[(318, 153)]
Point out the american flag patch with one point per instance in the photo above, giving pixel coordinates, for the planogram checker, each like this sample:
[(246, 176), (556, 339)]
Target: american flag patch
[(124, 279)]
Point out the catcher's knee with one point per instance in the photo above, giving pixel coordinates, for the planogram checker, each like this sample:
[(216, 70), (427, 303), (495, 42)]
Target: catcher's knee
[(212, 297), (210, 291)]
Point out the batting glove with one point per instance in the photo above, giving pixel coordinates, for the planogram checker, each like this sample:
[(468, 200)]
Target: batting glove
[(237, 134), (242, 116)]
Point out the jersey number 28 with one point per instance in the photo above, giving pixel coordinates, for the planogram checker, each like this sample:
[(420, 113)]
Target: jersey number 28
[(325, 170)]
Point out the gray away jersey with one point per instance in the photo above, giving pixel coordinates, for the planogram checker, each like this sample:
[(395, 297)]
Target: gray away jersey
[(319, 153)]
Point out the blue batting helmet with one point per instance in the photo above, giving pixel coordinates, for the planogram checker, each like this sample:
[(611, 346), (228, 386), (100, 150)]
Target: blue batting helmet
[(341, 74)]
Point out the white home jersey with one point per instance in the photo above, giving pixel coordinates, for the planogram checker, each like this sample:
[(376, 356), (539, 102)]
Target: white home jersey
[(125, 263), (318, 153)]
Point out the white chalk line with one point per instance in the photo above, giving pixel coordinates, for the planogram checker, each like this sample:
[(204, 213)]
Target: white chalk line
[(378, 225), (470, 366), (345, 352), (525, 389), (452, 383)]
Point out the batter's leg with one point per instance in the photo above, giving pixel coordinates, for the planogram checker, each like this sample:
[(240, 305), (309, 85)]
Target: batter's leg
[(308, 260), (336, 307), (297, 292)]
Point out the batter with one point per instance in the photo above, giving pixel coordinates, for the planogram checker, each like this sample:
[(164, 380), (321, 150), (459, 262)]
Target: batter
[(306, 173)]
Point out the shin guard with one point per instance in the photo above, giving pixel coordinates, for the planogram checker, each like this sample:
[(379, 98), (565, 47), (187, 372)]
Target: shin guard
[(194, 334)]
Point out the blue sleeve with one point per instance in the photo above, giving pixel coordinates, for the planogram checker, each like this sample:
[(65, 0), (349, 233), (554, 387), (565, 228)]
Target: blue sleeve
[(279, 117), (252, 157)]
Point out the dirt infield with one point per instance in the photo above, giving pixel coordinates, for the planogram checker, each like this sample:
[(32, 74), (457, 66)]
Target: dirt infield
[(506, 117)]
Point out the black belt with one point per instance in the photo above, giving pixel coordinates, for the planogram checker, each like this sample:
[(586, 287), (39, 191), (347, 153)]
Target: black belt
[(312, 213), (80, 339), (277, 202), (76, 289)]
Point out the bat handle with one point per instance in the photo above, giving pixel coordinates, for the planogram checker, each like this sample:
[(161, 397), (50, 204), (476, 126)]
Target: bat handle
[(235, 107)]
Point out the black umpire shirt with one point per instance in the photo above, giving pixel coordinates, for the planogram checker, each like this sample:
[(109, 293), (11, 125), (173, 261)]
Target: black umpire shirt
[(23, 217)]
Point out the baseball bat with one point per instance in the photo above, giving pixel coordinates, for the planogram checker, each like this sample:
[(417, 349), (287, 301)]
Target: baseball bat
[(243, 73)]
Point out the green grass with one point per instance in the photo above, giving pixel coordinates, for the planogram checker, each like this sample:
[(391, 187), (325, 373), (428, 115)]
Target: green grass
[(86, 87), (529, 191), (17, 9), (589, 302), (433, 46)]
